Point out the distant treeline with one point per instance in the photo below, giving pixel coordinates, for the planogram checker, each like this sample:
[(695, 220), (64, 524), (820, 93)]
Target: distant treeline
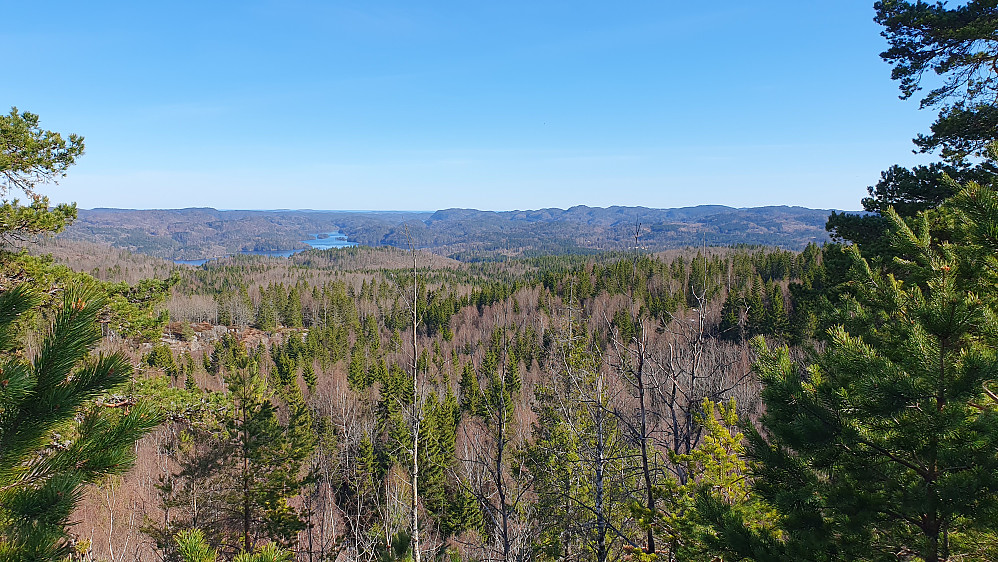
[(464, 234)]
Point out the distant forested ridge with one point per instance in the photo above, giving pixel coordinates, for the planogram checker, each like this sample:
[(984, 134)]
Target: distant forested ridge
[(561, 391), (465, 234)]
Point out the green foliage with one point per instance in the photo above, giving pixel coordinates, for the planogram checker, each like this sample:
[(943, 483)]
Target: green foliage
[(356, 327), (30, 155), (393, 414), (291, 316), (577, 460), (702, 286), (718, 477), (54, 439), (956, 43), (880, 445), (138, 307), (908, 192), (718, 462), (266, 316), (161, 358), (19, 221), (730, 326), (358, 375), (269, 552), (437, 438), (297, 353), (777, 323), (241, 455), (471, 392), (398, 549), (192, 547), (269, 458), (130, 311), (911, 191)]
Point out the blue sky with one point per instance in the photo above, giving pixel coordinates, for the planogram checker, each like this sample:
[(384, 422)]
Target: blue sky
[(492, 105)]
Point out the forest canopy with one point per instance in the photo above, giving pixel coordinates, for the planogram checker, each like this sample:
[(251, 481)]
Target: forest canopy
[(826, 402)]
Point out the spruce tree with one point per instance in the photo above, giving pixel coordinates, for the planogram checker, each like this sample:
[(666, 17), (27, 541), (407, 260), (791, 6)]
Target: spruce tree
[(500, 494), (730, 328)]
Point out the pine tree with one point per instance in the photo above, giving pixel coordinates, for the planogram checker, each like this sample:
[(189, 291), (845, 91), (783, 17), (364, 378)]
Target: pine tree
[(717, 468), (268, 460), (777, 317), (885, 445), (434, 462), (266, 315), (32, 156), (241, 461), (357, 374), (292, 312), (53, 439), (192, 547)]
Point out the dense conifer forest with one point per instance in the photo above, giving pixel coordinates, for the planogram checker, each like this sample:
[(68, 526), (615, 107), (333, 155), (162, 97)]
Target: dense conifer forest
[(380, 403)]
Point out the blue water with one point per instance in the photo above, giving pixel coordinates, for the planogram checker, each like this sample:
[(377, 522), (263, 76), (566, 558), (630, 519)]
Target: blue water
[(333, 240)]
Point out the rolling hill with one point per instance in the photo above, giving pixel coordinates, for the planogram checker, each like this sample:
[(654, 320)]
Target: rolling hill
[(467, 234)]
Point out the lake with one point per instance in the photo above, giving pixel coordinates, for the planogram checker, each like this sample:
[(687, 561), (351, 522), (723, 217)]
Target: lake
[(328, 241)]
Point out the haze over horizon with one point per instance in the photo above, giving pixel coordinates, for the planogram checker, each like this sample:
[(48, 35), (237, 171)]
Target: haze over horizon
[(563, 207), (263, 105)]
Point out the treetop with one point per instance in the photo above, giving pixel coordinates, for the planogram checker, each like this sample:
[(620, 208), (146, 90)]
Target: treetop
[(30, 155)]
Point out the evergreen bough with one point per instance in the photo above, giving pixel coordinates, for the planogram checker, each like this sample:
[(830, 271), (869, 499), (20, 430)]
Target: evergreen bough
[(192, 547), (54, 437), (886, 446)]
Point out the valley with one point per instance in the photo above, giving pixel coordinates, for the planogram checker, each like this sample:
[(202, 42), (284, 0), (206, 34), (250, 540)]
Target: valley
[(465, 234)]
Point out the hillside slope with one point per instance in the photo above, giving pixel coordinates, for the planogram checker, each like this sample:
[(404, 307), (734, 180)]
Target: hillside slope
[(467, 234)]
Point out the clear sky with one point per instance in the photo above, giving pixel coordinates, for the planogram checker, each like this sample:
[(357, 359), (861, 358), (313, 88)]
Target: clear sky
[(493, 105)]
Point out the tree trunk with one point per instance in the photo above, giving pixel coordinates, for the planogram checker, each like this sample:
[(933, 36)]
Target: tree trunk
[(645, 462), (246, 494), (415, 413)]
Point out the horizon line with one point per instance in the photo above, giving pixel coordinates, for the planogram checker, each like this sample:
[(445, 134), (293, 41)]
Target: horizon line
[(289, 210)]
